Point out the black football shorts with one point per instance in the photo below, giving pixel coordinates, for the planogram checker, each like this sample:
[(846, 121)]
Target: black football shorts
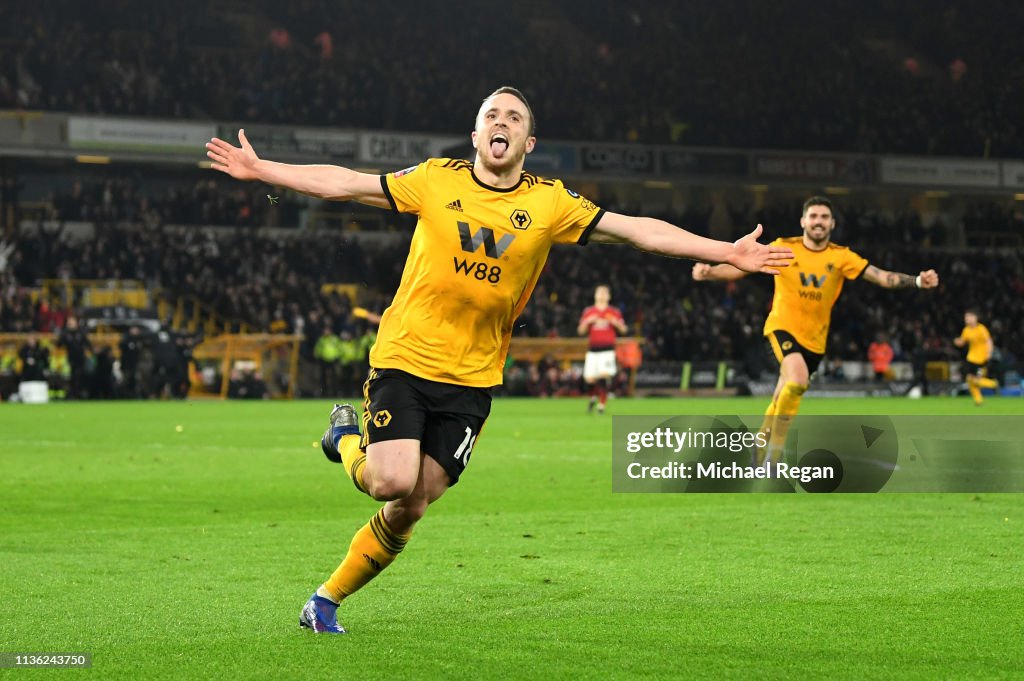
[(782, 343), (979, 370), (445, 418)]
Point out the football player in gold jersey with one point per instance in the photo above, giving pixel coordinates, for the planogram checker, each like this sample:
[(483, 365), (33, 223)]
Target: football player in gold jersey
[(979, 350), (483, 235), (805, 292)]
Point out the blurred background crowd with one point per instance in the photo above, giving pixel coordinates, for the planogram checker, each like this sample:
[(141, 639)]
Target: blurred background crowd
[(274, 284), (895, 80), (890, 77)]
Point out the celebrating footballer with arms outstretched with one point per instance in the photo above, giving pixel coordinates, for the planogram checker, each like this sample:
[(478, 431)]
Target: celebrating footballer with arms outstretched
[(797, 326), (483, 234)]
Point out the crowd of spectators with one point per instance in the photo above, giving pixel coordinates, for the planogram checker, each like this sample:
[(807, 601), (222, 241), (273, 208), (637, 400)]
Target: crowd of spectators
[(257, 284), (256, 280), (207, 200), (876, 77), (143, 365), (140, 195), (275, 284), (215, 201), (890, 77)]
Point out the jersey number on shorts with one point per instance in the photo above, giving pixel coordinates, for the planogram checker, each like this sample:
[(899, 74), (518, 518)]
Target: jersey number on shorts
[(466, 448)]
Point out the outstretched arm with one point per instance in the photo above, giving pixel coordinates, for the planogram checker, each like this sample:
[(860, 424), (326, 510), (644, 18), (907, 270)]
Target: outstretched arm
[(657, 236), (705, 272), (886, 279), (332, 183)]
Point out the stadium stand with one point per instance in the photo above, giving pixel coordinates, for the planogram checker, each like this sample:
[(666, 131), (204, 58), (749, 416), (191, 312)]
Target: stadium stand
[(892, 81), (273, 283), (896, 80)]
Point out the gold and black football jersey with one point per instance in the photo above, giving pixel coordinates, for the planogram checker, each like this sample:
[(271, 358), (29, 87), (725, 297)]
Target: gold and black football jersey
[(475, 258), (806, 291), (977, 339)]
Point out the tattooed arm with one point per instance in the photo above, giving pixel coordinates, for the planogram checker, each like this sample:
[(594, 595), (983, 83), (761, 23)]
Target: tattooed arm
[(886, 279)]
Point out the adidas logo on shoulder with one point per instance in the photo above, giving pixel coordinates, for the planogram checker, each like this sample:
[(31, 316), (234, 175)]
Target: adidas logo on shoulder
[(455, 205)]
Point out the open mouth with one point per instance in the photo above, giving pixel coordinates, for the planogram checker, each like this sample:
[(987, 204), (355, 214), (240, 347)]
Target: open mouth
[(499, 145)]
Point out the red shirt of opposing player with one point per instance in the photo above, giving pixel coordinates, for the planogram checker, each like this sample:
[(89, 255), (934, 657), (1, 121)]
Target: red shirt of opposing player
[(602, 323)]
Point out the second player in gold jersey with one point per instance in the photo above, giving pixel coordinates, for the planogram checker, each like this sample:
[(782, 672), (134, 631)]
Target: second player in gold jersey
[(978, 340), (805, 292)]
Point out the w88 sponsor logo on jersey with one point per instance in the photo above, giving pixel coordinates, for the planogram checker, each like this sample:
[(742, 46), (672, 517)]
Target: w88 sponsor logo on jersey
[(471, 243), (478, 270)]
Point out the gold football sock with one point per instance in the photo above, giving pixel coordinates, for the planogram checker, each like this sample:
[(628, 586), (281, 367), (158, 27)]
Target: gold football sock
[(373, 548), (972, 386), (767, 426), (987, 382), (353, 459), (785, 409)]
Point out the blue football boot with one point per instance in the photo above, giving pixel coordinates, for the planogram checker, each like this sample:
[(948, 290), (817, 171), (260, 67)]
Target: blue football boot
[(321, 615), (344, 421)]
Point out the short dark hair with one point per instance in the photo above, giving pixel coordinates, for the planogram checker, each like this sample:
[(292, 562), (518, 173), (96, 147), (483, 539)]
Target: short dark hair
[(973, 311), (818, 201), (509, 90)]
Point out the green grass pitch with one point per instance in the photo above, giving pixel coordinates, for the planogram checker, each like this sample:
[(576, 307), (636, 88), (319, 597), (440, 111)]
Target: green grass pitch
[(187, 555)]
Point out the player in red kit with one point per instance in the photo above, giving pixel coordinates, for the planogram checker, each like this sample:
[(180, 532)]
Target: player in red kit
[(601, 322)]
